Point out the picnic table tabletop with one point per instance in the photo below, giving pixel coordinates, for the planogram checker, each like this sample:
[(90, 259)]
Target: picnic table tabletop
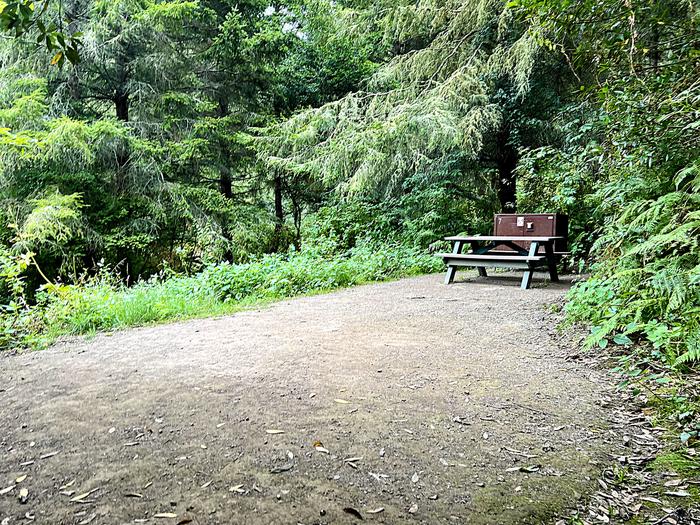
[(487, 254), (501, 238)]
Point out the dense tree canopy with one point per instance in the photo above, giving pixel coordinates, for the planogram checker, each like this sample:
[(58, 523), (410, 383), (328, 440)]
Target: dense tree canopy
[(465, 88)]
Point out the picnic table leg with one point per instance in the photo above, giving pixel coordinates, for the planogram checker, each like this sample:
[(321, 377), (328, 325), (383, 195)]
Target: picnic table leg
[(475, 249), (527, 276), (551, 262), (451, 270)]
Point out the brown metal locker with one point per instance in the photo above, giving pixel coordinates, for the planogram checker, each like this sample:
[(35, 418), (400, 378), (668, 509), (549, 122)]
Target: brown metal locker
[(532, 225)]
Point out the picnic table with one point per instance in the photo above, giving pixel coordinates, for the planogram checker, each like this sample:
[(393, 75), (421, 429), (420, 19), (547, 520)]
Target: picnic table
[(484, 252)]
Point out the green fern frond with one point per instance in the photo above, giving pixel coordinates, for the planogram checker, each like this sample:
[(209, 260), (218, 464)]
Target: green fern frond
[(692, 349)]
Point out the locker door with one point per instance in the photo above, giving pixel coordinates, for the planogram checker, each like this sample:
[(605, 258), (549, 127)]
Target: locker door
[(540, 225), (510, 224)]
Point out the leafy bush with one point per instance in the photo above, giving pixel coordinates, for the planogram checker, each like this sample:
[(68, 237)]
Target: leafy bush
[(632, 184), (276, 276), (15, 315), (647, 278)]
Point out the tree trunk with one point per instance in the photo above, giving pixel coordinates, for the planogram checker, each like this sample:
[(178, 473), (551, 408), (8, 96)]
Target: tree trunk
[(121, 103), (506, 186), (506, 162), (296, 212), (225, 179), (279, 213), (225, 182)]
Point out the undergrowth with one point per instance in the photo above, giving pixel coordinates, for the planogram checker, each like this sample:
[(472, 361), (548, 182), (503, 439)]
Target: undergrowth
[(104, 303)]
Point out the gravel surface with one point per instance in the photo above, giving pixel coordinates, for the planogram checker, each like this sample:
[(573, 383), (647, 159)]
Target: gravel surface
[(408, 401)]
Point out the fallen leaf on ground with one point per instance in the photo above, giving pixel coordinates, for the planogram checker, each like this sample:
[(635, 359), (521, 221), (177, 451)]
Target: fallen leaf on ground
[(165, 515), (415, 477), (413, 509), (529, 469), (319, 446), (84, 495), (376, 511), (519, 453), (23, 496), (274, 431), (49, 455), (21, 478), (6, 490), (205, 485), (88, 519), (283, 468), (342, 402), (238, 488), (378, 477), (678, 493), (353, 512)]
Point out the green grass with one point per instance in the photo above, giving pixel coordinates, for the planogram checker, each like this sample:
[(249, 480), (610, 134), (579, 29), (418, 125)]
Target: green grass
[(677, 462), (103, 305)]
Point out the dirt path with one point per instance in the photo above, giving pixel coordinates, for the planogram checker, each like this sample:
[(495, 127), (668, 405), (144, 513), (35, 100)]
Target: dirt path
[(440, 393)]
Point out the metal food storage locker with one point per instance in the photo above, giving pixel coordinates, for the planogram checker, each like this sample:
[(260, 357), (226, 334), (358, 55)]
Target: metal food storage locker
[(533, 225)]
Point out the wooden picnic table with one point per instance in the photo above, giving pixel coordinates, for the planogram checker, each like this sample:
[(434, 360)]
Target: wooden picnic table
[(483, 253)]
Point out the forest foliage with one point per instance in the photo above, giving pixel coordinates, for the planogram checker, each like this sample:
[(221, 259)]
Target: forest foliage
[(182, 158)]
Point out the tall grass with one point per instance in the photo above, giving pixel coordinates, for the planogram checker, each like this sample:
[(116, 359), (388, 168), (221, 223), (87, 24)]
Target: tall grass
[(103, 305)]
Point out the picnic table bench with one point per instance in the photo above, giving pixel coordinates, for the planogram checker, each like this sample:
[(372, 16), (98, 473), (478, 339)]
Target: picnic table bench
[(487, 251)]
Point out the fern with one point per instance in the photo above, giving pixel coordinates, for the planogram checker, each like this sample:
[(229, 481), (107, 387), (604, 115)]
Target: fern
[(692, 349)]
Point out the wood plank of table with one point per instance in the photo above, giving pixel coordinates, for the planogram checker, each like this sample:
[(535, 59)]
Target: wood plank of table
[(501, 238), (492, 257)]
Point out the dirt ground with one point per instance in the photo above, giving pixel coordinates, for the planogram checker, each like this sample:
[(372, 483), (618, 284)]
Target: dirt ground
[(402, 402)]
